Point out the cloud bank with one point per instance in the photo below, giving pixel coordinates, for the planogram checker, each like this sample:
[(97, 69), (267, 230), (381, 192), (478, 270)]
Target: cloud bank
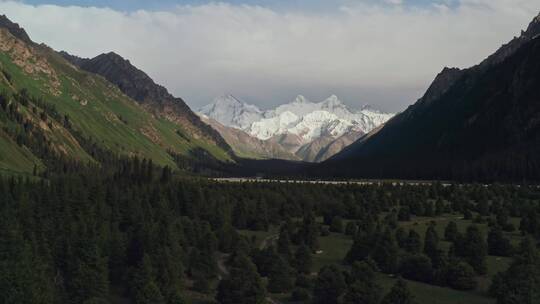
[(369, 52)]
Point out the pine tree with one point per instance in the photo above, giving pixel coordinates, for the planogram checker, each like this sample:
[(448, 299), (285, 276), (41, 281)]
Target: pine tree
[(280, 277), (497, 244), (431, 242), (284, 244), (145, 290), (417, 267), (399, 294), (475, 249), (363, 288), (521, 282), (303, 259), (360, 249), (310, 231), (336, 225), (386, 252), (329, 286), (460, 275), (413, 243), (243, 285), (451, 231)]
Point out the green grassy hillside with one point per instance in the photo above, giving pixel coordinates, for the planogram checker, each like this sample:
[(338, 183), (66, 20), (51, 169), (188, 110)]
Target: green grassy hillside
[(96, 109)]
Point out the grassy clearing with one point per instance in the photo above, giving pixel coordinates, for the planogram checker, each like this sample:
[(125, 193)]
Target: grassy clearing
[(334, 248), (14, 158), (430, 294)]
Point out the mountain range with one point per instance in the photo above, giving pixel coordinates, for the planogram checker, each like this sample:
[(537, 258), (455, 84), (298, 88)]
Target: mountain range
[(55, 105), (476, 124), (480, 123), (299, 130)]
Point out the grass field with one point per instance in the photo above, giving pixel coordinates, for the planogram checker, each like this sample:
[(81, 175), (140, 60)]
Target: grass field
[(430, 294), (335, 246), (14, 158)]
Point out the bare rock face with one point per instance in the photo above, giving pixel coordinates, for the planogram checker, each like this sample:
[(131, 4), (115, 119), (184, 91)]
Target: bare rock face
[(441, 84), (155, 98), (248, 146), (337, 145), (14, 29), (534, 28)]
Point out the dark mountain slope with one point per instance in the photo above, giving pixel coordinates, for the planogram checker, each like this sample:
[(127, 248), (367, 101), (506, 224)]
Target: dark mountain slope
[(482, 123), (155, 98)]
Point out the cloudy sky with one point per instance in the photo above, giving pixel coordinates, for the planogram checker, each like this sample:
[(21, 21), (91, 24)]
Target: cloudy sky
[(379, 52)]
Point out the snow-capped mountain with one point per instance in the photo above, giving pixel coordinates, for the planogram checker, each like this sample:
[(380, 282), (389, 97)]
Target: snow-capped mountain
[(306, 120), (232, 112)]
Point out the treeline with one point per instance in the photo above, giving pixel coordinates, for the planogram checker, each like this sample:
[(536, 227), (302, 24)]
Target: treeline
[(142, 233)]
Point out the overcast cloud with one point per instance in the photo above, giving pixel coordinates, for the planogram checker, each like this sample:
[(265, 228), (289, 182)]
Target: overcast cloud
[(371, 52)]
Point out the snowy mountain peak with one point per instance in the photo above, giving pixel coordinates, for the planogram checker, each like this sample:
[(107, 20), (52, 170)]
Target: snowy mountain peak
[(230, 111), (333, 99), (301, 117), (333, 103), (301, 99)]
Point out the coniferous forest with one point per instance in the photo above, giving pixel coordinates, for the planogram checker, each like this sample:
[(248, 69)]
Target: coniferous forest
[(133, 232)]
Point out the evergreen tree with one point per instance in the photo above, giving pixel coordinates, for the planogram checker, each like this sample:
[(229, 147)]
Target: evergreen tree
[(303, 259), (360, 249), (284, 244), (145, 288), (521, 282), (497, 244), (386, 252), (431, 242), (451, 231), (417, 267), (460, 275), (336, 225), (351, 229), (363, 287), (401, 237), (329, 286), (404, 214), (475, 249), (280, 278), (309, 232), (399, 294), (243, 285), (265, 260), (413, 243)]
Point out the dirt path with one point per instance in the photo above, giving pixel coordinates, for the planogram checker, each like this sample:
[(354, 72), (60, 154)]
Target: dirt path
[(221, 260)]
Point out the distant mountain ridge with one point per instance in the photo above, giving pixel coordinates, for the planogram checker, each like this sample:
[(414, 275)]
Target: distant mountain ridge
[(301, 127), (480, 123)]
